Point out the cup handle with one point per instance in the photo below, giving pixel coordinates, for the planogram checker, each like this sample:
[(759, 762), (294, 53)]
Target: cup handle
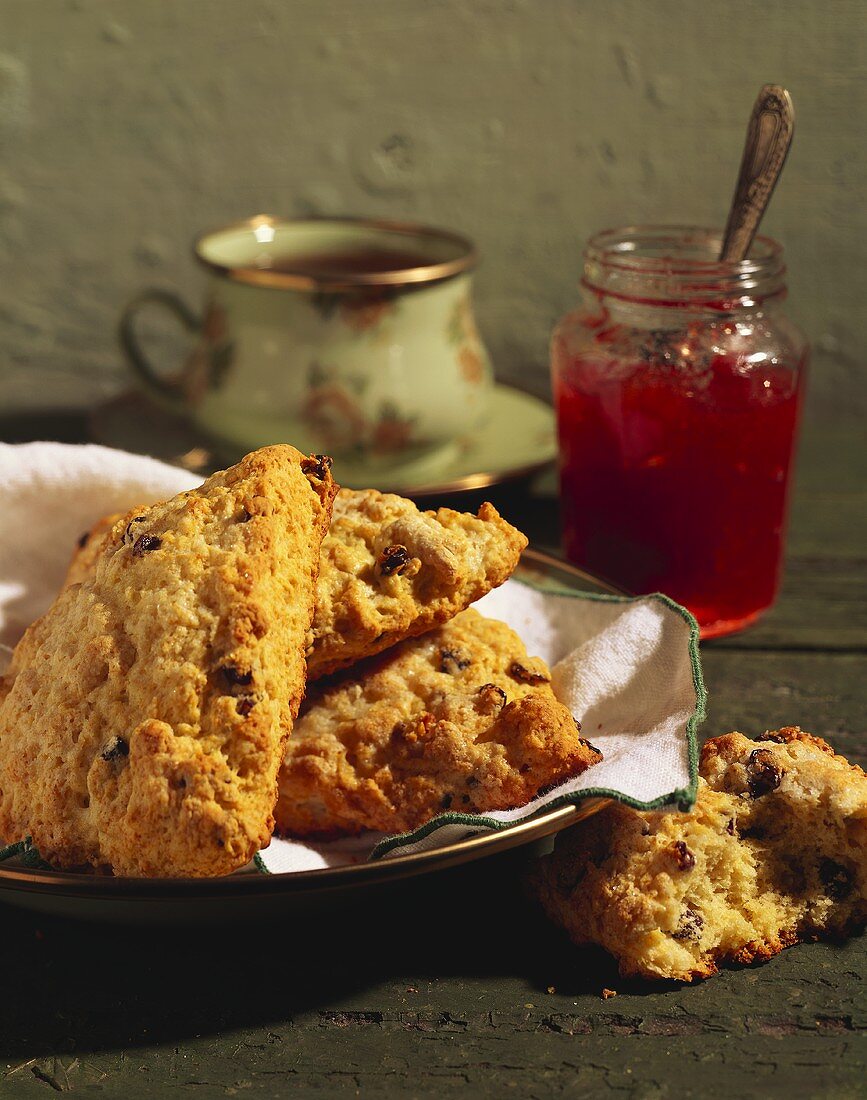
[(165, 389)]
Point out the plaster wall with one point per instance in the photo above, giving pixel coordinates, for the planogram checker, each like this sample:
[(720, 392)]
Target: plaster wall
[(125, 127)]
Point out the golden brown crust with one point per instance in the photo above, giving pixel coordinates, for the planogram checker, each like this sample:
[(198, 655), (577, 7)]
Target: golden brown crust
[(148, 708), (388, 572), (774, 852), (89, 546), (459, 719)]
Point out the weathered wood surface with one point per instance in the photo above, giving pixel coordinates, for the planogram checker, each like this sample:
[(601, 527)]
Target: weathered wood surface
[(442, 991), (443, 988)]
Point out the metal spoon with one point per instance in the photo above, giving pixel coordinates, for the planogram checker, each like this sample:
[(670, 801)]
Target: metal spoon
[(769, 135)]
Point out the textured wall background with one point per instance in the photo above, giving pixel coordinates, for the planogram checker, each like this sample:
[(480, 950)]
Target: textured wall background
[(127, 126)]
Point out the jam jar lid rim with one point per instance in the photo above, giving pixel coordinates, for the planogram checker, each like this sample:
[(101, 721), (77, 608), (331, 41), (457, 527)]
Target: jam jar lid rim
[(602, 248)]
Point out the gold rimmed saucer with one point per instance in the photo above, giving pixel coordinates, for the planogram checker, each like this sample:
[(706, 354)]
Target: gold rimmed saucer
[(517, 440)]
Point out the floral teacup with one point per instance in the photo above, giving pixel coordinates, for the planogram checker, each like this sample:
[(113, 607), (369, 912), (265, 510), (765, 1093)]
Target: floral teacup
[(344, 336)]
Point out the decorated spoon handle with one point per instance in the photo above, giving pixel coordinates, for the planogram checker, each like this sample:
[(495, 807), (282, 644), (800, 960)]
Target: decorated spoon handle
[(769, 136)]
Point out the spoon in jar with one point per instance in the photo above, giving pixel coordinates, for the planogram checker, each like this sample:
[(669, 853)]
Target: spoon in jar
[(769, 135)]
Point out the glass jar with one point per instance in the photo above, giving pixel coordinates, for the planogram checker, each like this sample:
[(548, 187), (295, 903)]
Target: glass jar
[(678, 387)]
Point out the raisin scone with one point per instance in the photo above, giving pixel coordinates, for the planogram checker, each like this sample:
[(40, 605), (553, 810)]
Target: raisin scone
[(391, 572), (388, 572), (459, 719), (145, 714), (773, 852)]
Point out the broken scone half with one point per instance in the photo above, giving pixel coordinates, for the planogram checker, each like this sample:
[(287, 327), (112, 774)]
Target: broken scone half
[(388, 571), (459, 719), (773, 852), (145, 714)]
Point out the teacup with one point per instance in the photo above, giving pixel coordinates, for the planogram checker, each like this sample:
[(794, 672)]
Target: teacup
[(346, 336)]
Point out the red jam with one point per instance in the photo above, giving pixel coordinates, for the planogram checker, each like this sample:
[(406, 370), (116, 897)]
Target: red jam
[(678, 485), (677, 422)]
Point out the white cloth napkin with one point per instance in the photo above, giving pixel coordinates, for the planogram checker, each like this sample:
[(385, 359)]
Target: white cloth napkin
[(628, 669)]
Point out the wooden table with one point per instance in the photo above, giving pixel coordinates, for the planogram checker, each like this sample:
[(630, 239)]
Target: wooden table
[(457, 985)]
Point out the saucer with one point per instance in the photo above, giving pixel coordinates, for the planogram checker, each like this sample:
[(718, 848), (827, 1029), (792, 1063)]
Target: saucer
[(517, 439)]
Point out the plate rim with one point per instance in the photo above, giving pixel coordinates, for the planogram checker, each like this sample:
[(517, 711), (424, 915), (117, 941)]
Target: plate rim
[(319, 880)]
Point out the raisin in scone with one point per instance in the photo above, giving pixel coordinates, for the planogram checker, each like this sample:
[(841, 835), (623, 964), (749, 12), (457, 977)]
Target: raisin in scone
[(459, 719), (773, 852), (389, 572), (146, 712)]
